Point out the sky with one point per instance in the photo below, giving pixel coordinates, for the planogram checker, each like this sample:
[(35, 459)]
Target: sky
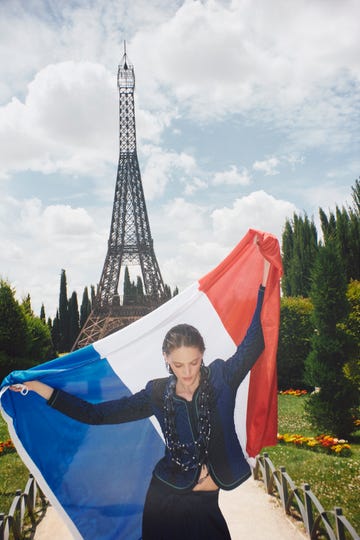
[(246, 112)]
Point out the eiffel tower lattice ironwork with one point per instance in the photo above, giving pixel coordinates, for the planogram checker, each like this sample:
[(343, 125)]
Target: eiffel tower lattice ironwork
[(130, 238)]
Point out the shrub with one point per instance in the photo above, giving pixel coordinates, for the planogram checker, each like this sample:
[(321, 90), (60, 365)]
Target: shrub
[(296, 328)]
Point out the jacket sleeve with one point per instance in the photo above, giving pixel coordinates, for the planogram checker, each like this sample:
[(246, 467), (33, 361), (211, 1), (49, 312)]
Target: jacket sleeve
[(117, 411), (249, 350)]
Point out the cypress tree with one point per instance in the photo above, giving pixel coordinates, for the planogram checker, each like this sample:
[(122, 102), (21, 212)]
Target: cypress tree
[(128, 291), (93, 294), (167, 291), (175, 291), (287, 256), (331, 408), (85, 308), (354, 256), (328, 225), (139, 291), (55, 331), (26, 305), (74, 326), (49, 323), (354, 232), (355, 192), (343, 225), (42, 313), (299, 247), (64, 327)]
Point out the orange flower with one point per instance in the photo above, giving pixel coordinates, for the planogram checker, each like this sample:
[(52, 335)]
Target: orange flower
[(327, 443)]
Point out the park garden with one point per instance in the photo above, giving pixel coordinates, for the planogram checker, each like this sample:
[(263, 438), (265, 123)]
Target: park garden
[(318, 357)]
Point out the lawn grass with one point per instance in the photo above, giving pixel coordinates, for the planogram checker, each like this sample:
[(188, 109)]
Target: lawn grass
[(13, 473), (334, 480)]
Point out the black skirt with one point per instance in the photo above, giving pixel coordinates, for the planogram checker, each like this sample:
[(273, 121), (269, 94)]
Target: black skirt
[(170, 515)]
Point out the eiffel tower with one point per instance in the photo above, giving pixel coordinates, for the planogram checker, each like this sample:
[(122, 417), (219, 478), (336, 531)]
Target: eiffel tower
[(130, 240)]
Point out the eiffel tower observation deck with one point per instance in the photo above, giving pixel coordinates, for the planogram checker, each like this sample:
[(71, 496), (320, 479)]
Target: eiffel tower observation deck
[(130, 242)]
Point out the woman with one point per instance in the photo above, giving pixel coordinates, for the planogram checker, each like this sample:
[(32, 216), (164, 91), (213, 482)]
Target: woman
[(195, 409)]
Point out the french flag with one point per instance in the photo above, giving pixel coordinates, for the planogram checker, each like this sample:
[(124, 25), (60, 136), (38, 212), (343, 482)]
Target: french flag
[(97, 476)]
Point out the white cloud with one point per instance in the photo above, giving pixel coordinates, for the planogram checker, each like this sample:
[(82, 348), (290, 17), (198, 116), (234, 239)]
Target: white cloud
[(296, 69), (327, 195), (197, 240), (84, 31), (291, 71), (66, 123), (267, 166), (196, 184), (259, 210), (186, 220), (43, 240), (232, 177), (299, 72), (161, 167)]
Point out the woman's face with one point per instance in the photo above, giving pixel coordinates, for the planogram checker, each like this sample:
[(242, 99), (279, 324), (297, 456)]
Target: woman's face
[(185, 363)]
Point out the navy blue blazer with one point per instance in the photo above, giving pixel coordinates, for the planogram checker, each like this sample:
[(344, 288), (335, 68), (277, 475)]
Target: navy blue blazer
[(226, 462)]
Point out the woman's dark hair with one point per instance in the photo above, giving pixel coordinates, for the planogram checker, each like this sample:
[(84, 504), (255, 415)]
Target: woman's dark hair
[(182, 335)]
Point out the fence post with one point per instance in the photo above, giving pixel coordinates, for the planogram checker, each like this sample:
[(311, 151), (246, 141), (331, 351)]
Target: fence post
[(340, 531), (267, 473), (2, 526), (284, 495), (308, 510)]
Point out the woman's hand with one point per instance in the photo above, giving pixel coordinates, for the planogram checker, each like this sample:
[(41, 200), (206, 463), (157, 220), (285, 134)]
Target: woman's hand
[(265, 272), (44, 390), (266, 263)]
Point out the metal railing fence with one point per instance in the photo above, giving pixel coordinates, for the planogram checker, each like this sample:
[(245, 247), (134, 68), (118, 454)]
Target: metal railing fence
[(26, 510), (29, 507), (301, 503)]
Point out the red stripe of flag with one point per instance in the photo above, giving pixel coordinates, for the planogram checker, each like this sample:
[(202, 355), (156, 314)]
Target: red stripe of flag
[(232, 289)]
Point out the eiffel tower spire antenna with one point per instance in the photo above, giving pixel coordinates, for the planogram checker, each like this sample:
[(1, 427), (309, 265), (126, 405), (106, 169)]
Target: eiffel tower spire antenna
[(130, 240)]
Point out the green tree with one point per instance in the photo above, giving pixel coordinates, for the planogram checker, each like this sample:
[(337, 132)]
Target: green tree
[(299, 248), (42, 313), (24, 339), (74, 325), (64, 326), (129, 292), (347, 234), (92, 294), (13, 328), (287, 257), (139, 291), (49, 324), (352, 328), (343, 225), (328, 225), (331, 408), (40, 347), (55, 331), (26, 305), (355, 192), (85, 308), (296, 328)]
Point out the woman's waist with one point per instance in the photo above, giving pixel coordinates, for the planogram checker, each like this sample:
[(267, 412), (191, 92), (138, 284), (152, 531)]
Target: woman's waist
[(205, 482)]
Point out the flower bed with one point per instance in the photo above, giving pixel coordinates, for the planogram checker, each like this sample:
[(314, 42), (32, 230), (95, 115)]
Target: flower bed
[(321, 443), (292, 392), (6, 447)]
